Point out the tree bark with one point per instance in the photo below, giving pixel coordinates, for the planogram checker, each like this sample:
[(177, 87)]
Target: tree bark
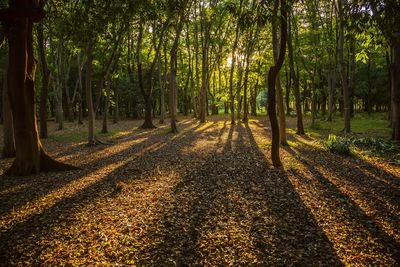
[(30, 155), (342, 65), (279, 93), (88, 92), (272, 75), (295, 79), (8, 128), (172, 77), (395, 73), (106, 108)]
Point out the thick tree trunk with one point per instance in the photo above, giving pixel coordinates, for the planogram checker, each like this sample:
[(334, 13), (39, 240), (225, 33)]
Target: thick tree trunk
[(45, 82), (30, 155), (8, 128), (272, 76)]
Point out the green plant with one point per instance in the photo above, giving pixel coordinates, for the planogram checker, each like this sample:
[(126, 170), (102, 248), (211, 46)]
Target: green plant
[(338, 144)]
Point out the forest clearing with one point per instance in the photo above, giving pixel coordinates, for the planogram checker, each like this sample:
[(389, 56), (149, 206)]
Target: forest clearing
[(200, 133), (207, 196)]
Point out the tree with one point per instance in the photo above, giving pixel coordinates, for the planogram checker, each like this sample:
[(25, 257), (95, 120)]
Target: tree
[(272, 75), (294, 77), (31, 157)]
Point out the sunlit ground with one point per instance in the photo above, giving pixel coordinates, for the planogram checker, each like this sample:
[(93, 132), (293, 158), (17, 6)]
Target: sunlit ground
[(208, 195)]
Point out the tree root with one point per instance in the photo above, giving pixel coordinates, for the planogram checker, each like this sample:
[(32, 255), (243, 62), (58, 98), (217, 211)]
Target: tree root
[(45, 164)]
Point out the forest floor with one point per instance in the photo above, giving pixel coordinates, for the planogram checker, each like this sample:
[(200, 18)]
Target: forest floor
[(206, 196)]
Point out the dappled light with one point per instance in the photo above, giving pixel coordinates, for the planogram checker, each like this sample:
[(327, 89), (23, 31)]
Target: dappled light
[(206, 196), (200, 133)]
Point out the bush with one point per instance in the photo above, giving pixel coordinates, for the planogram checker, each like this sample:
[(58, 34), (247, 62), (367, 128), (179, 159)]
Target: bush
[(339, 145)]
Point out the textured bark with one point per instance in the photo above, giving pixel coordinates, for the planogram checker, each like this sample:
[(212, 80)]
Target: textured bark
[(279, 93), (272, 75), (395, 71), (30, 155), (8, 128)]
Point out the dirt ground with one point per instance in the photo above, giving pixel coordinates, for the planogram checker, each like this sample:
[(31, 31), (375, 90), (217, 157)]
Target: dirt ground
[(206, 196)]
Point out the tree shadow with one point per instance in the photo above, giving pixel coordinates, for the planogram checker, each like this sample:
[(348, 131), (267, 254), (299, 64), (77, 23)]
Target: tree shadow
[(36, 186), (344, 188), (27, 232), (235, 195)]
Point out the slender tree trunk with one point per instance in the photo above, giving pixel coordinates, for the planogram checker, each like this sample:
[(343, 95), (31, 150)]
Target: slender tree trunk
[(116, 108), (106, 107), (79, 92), (395, 71), (45, 82), (272, 75), (279, 93), (172, 77), (342, 65), (204, 70), (30, 155), (162, 93), (88, 92), (232, 71), (295, 80)]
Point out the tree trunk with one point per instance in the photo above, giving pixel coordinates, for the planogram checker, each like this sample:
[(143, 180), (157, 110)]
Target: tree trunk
[(172, 77), (45, 82), (272, 77), (295, 80), (279, 93), (79, 92), (395, 71), (162, 93), (30, 155), (342, 65), (106, 108), (204, 71), (8, 128), (88, 92)]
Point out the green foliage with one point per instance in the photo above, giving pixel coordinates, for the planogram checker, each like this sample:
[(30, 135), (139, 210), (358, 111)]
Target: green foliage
[(338, 144)]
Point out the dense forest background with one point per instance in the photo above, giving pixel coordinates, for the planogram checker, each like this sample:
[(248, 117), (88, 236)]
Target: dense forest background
[(146, 59)]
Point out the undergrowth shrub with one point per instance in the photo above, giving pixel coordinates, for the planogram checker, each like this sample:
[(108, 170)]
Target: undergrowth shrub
[(338, 144)]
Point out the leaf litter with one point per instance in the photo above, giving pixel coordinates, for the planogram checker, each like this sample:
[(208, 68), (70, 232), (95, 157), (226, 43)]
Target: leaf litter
[(208, 196)]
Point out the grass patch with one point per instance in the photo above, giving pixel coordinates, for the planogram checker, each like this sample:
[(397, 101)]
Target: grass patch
[(374, 126)]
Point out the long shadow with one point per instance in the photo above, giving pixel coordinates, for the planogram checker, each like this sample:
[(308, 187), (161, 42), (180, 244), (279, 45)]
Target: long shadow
[(343, 203), (297, 238), (181, 224), (42, 184), (208, 196), (379, 189), (26, 232)]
